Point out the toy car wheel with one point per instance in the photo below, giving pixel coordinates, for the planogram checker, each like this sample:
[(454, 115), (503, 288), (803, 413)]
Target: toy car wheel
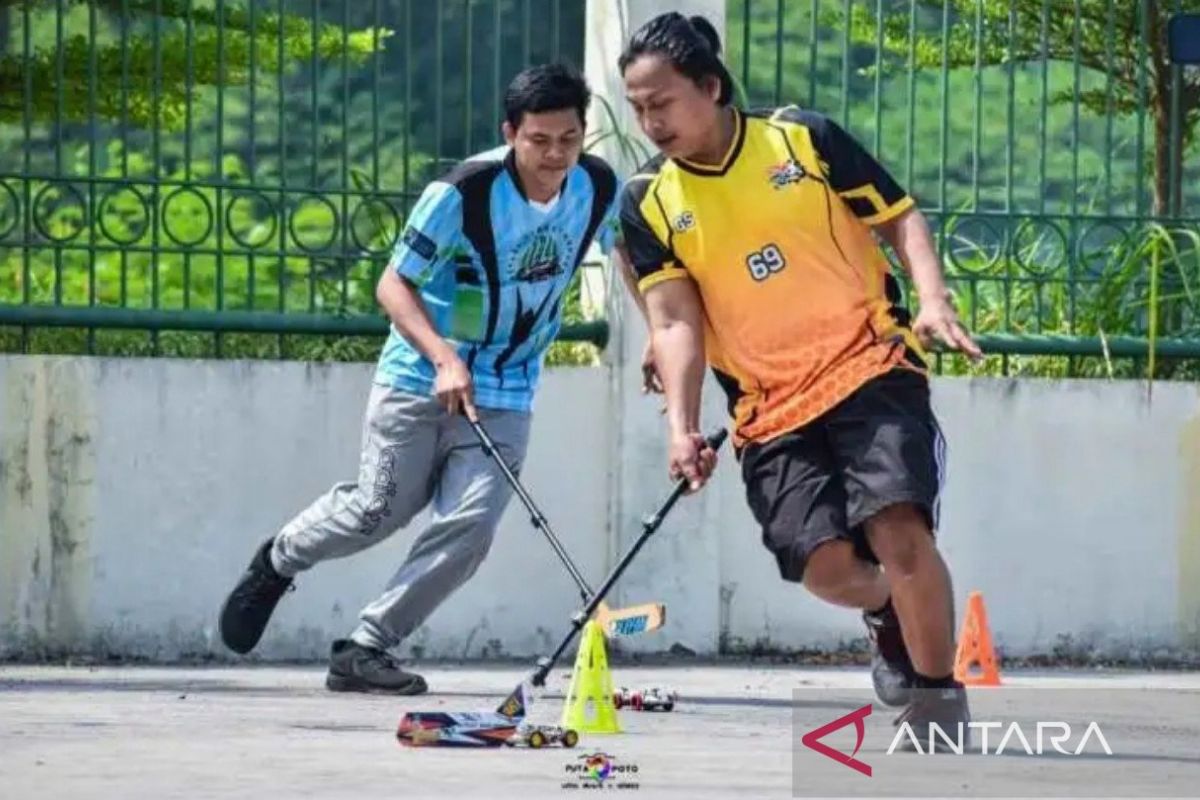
[(570, 738), (669, 706), (537, 739)]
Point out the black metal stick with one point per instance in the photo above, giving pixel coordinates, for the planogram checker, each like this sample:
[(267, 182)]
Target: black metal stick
[(538, 518)]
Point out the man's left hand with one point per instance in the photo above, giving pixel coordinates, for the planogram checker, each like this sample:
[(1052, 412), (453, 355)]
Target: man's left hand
[(937, 320)]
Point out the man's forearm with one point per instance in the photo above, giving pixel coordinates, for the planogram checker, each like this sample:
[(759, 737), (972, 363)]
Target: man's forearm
[(679, 353), (407, 312), (909, 236)]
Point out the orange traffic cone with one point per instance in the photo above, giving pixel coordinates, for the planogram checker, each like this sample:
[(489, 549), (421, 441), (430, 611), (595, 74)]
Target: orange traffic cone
[(975, 647)]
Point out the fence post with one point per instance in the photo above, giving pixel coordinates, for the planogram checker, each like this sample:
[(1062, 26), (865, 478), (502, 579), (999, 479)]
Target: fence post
[(608, 26), (637, 429)]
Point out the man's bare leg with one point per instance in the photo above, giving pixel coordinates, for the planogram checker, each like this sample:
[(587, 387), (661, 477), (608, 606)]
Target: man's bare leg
[(923, 601), (920, 587), (836, 575)]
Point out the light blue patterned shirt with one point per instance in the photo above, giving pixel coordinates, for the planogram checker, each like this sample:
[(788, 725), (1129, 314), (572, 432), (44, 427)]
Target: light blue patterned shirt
[(493, 270)]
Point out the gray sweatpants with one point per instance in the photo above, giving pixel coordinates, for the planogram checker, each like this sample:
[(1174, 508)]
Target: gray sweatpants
[(413, 453)]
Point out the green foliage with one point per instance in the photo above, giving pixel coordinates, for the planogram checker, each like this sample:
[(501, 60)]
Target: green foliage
[(1145, 284), (577, 354), (1103, 37), (188, 262), (146, 77), (188, 344), (320, 114), (1004, 136), (234, 100)]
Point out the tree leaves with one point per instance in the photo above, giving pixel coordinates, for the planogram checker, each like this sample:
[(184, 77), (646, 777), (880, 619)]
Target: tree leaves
[(1103, 36), (146, 81)]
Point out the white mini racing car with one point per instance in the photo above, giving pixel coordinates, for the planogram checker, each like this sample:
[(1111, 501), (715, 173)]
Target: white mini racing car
[(651, 699)]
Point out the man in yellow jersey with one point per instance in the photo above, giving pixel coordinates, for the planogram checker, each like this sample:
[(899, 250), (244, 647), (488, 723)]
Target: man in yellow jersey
[(752, 237)]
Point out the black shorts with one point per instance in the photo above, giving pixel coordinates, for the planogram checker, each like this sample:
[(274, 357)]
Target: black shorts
[(878, 447)]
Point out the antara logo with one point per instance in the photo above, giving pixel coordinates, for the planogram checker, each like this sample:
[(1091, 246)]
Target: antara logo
[(855, 718), (1046, 737), (953, 740)]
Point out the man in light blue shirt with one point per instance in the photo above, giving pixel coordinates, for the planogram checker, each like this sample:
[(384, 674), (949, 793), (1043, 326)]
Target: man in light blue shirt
[(474, 292)]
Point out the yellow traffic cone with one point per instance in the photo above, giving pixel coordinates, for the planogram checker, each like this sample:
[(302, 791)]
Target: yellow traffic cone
[(589, 707)]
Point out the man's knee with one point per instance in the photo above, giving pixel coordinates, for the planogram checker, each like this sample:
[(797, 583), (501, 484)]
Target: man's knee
[(474, 557), (479, 543), (833, 570), (466, 553), (899, 536), (372, 514), (465, 535), (377, 516)]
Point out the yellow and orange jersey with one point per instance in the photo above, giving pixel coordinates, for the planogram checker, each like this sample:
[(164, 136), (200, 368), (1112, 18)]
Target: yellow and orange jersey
[(800, 303)]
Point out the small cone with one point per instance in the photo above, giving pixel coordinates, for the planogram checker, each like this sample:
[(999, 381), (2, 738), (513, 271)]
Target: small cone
[(589, 707), (975, 647)]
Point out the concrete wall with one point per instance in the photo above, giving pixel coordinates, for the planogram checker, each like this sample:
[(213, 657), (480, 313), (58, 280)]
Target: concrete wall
[(133, 491)]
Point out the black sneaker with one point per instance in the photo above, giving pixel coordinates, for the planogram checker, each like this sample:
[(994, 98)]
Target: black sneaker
[(945, 708), (354, 668), (892, 671), (249, 606)]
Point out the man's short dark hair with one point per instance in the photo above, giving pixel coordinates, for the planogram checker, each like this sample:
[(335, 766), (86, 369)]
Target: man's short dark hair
[(547, 87)]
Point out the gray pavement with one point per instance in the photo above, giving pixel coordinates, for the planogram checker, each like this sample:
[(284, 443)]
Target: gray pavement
[(259, 732)]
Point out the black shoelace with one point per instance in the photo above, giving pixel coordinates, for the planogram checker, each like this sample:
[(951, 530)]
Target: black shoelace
[(380, 658), (262, 589)]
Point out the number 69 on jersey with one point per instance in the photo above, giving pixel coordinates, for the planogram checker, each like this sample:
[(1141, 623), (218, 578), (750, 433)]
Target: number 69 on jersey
[(765, 262)]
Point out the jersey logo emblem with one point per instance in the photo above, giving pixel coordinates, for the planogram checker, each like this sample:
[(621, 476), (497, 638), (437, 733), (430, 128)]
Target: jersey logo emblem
[(684, 222), (789, 171), (540, 260)]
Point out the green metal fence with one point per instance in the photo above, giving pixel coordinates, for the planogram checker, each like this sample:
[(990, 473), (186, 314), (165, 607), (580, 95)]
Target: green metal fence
[(218, 177), (177, 172), (1051, 143)]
